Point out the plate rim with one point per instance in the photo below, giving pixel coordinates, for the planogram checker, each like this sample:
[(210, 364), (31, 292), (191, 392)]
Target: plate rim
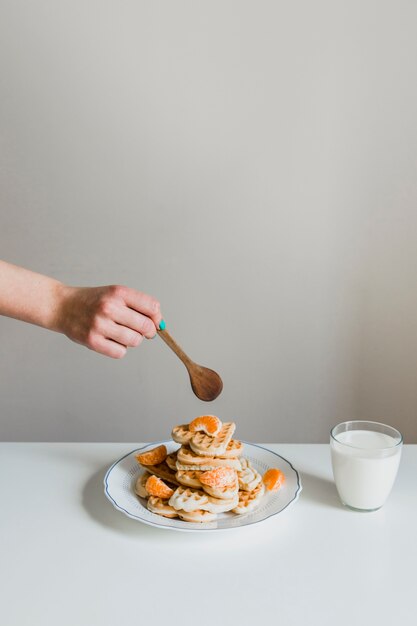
[(201, 529)]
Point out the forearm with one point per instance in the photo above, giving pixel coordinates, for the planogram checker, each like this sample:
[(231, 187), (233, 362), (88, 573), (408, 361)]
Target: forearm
[(106, 319), (29, 297)]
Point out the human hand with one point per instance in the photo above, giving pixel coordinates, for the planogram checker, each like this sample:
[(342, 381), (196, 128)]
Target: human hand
[(107, 319)]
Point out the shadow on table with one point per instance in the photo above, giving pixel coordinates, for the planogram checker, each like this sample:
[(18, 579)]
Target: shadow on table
[(319, 490), (101, 510)]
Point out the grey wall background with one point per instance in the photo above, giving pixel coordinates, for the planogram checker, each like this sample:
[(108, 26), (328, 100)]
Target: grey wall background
[(251, 164)]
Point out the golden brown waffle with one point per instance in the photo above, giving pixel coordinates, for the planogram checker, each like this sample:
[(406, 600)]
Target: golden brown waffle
[(187, 459), (163, 471), (161, 507), (187, 499), (181, 434), (222, 493), (234, 449), (193, 501), (140, 488), (171, 461), (186, 456), (189, 478), (204, 445), (197, 516), (249, 478), (217, 505), (249, 500)]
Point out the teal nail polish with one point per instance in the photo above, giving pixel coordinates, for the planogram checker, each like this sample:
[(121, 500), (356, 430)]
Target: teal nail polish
[(162, 325)]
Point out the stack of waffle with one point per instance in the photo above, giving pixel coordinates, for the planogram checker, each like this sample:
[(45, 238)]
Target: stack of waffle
[(204, 477)]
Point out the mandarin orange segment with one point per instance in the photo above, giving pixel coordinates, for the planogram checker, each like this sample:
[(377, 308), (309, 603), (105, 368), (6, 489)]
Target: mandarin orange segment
[(219, 477), (273, 479), (156, 487), (210, 424), (153, 457)]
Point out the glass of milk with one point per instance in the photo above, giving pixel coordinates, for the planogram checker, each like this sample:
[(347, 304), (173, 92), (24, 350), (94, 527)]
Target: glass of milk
[(365, 460)]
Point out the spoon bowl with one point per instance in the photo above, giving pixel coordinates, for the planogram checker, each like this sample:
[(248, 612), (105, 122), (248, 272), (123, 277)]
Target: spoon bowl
[(205, 383)]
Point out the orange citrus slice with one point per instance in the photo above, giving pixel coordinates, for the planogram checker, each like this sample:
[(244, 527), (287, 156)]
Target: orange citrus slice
[(219, 477), (273, 479), (153, 457), (210, 424), (156, 487)]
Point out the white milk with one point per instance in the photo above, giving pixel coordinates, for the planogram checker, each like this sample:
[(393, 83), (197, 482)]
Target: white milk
[(364, 474)]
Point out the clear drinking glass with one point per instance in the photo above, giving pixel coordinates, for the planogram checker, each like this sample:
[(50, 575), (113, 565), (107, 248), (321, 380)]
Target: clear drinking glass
[(365, 459)]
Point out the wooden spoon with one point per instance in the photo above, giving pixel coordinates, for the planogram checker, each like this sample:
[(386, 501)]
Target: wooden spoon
[(206, 383)]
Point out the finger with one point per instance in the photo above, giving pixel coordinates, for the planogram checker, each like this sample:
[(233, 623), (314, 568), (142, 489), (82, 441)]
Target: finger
[(136, 321), (123, 335), (143, 303), (110, 348)]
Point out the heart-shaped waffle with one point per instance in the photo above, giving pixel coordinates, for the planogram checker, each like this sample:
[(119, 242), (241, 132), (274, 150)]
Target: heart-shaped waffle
[(182, 434), (218, 505), (234, 449), (222, 493), (187, 499), (205, 445), (249, 500), (197, 516), (161, 507), (248, 477), (187, 459), (189, 478)]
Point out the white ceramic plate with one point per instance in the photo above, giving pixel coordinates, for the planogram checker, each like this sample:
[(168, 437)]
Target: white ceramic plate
[(122, 475)]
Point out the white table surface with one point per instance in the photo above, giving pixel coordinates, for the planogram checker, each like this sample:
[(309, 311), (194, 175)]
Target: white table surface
[(68, 558)]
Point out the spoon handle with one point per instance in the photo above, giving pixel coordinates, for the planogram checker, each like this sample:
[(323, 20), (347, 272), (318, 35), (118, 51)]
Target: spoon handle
[(170, 341)]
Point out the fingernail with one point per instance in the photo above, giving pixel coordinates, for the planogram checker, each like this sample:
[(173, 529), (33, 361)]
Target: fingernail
[(162, 325)]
